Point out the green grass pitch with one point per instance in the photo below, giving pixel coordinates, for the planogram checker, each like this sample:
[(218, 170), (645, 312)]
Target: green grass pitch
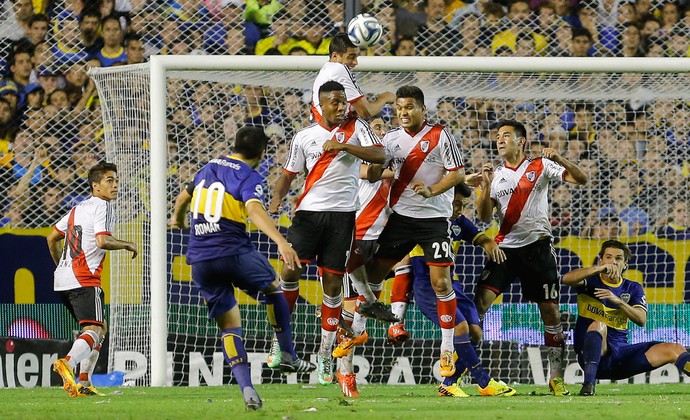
[(665, 401)]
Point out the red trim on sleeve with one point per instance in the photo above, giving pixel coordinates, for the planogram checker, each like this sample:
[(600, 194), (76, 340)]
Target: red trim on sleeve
[(59, 231), (289, 172), (565, 172), (356, 99), (104, 233)]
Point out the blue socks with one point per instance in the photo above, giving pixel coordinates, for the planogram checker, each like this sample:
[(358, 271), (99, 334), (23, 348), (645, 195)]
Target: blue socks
[(467, 358), (591, 353), (236, 356), (683, 363), (279, 316)]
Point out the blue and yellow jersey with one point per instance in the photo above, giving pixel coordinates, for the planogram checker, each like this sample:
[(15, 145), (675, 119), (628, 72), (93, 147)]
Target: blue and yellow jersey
[(462, 229), (591, 309), (222, 189), (108, 60)]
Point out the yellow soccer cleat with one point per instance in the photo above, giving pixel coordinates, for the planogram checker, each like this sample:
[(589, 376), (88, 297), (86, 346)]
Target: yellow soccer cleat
[(88, 391), (62, 367), (557, 387), (496, 389), (346, 346), (448, 360), (453, 390)]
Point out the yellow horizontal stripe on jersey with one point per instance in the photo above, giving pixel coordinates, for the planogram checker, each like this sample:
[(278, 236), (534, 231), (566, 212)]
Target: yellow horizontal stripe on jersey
[(592, 308), (232, 209)]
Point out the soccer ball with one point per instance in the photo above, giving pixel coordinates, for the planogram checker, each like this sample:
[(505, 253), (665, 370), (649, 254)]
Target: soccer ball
[(364, 30)]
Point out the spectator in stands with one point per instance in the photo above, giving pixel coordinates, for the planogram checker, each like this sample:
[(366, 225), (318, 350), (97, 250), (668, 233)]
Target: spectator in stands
[(49, 79), (257, 110), (520, 17), (635, 219), (525, 45), (565, 217), (7, 129), (134, 48), (314, 39), (58, 98), (434, 36), (89, 25), (35, 96), (49, 209), (581, 43), (281, 39), (677, 44), (470, 33), (234, 41), (38, 28), (676, 225), (560, 41), (655, 47), (21, 67), (447, 115), (631, 42), (649, 26), (296, 112), (17, 15), (670, 16), (67, 48), (405, 47), (113, 52), (10, 93), (258, 14)]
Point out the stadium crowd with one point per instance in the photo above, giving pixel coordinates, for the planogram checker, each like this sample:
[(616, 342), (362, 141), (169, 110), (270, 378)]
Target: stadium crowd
[(637, 153)]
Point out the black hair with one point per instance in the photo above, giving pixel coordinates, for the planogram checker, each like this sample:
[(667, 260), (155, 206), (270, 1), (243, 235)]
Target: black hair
[(250, 142), (612, 243), (39, 17), (331, 86), (132, 36), (339, 44), (411, 92), (519, 128), (97, 172), (581, 32), (90, 13)]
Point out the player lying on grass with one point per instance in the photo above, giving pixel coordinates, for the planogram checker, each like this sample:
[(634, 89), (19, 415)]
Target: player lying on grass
[(466, 316), (605, 303)]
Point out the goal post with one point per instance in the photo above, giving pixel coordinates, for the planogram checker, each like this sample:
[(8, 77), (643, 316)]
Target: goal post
[(537, 81)]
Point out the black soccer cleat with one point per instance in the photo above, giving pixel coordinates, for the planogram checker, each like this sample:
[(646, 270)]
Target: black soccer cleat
[(252, 401), (296, 366), (378, 311), (587, 390)]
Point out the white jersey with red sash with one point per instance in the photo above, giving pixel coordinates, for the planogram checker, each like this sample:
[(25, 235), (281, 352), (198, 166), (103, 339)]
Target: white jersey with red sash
[(426, 156), (81, 262), (373, 209), (522, 200), (332, 177), (339, 73)]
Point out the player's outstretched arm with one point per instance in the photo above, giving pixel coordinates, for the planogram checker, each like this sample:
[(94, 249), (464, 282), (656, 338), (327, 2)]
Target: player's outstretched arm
[(576, 277), (491, 248), (110, 243), (366, 109), (258, 215), (177, 219), (55, 245), (280, 191), (364, 173), (374, 173), (574, 174), (372, 154), (485, 205)]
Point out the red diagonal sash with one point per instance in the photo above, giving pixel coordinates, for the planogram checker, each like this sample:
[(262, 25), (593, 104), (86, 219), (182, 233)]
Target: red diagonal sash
[(371, 212), (413, 162), (325, 160), (519, 198)]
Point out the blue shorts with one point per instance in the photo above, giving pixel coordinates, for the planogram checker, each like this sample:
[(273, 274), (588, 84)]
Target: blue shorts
[(622, 362), (217, 279), (425, 297)]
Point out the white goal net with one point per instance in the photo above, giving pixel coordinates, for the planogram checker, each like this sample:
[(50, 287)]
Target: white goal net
[(628, 129)]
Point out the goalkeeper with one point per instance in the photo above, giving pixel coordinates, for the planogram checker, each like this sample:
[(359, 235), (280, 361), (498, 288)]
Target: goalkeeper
[(605, 303)]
